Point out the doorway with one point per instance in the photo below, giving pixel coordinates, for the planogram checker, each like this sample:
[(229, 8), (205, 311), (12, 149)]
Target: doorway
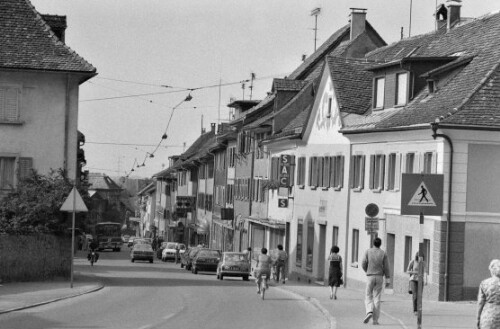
[(321, 252), (391, 243)]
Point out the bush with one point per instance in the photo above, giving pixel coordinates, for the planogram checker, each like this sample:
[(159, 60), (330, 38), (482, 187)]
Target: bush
[(34, 205)]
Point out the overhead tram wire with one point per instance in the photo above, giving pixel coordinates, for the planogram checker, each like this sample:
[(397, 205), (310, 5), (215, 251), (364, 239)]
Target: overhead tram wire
[(177, 91)]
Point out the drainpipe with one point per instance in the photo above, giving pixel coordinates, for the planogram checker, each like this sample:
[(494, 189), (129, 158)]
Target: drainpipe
[(66, 125), (210, 237), (346, 261), (434, 127)]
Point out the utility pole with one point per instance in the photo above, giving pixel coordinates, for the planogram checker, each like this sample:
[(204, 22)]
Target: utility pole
[(315, 12), (252, 78)]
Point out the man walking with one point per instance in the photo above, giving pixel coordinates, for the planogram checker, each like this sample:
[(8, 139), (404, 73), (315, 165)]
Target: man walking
[(376, 265)]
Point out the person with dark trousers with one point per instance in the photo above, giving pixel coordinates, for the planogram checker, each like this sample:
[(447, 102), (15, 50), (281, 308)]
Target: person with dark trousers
[(281, 263)]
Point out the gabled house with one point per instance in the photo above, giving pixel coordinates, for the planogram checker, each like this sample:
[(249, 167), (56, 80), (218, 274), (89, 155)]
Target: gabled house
[(39, 81)]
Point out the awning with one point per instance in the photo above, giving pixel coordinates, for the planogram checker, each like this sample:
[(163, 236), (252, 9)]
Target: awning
[(272, 223)]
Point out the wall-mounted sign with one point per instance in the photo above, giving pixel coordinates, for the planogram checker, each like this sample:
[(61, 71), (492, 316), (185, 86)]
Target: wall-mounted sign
[(282, 203), (285, 169)]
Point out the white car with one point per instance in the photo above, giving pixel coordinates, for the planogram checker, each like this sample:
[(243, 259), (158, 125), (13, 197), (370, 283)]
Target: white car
[(170, 249)]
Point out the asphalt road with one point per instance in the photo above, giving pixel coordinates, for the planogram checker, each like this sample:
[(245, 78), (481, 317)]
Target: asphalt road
[(141, 295)]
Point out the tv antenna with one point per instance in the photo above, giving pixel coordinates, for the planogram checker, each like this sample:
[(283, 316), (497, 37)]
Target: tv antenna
[(315, 12)]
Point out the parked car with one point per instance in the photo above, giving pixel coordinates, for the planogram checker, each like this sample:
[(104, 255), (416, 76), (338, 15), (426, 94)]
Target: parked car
[(160, 249), (143, 241), (142, 251), (171, 249), (205, 260), (233, 264), (187, 257)]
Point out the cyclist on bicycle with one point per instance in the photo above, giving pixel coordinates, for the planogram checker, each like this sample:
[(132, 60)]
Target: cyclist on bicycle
[(264, 263)]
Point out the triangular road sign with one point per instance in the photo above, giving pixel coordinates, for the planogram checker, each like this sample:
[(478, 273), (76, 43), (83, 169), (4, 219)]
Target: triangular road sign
[(422, 197), (74, 202)]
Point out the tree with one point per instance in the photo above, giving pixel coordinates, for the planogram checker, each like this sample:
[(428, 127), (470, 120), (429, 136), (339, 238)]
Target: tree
[(34, 205)]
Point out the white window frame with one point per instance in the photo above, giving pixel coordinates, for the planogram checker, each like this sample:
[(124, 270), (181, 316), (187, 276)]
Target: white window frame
[(337, 172), (357, 172), (393, 169), (379, 93), (377, 172), (401, 90)]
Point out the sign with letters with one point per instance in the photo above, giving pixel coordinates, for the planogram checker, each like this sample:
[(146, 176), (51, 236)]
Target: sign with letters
[(282, 203), (285, 169)]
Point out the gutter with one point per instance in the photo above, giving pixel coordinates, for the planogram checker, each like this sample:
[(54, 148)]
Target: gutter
[(347, 218), (435, 126)]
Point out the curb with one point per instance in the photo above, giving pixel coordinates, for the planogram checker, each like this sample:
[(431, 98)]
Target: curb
[(331, 319), (99, 287)]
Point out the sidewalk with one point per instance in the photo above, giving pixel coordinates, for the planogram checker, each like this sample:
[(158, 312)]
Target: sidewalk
[(348, 311), (20, 295)]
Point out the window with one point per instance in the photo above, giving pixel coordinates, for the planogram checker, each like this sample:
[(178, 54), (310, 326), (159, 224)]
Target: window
[(377, 165), (379, 93), (275, 168), (401, 88), (355, 246), (429, 163), (393, 171), (329, 113), (9, 104), (201, 200), (410, 161), (408, 252), (313, 172), (259, 151), (326, 172), (337, 171), (298, 258), (7, 166), (229, 194), (310, 245), (335, 236), (301, 172), (358, 172)]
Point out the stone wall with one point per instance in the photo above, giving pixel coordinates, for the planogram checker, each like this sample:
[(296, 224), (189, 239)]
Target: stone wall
[(35, 257)]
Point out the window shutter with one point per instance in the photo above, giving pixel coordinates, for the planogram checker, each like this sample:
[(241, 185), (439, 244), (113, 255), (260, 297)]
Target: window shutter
[(383, 172), (434, 163), (25, 166), (333, 161), (351, 171), (341, 170), (311, 171), (386, 173), (372, 172), (397, 172), (11, 104), (362, 175)]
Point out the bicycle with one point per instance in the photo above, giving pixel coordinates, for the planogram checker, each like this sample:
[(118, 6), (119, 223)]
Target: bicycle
[(93, 257)]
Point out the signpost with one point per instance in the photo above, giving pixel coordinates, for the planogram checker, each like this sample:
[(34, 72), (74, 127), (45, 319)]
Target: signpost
[(371, 222), (421, 194), (73, 203)]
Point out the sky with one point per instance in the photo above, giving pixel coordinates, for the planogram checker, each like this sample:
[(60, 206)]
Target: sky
[(151, 54)]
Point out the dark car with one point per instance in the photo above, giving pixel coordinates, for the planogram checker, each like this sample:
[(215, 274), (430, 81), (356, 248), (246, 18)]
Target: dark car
[(187, 257), (205, 260), (233, 264), (142, 251)]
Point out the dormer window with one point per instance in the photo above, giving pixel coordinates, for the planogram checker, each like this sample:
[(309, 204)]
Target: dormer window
[(431, 84), (401, 88), (379, 93), (329, 113)]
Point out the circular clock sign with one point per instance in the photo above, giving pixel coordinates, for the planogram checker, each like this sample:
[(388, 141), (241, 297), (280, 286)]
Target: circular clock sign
[(371, 210)]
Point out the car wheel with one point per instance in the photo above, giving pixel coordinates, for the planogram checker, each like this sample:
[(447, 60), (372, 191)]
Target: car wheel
[(151, 260), (221, 277), (132, 260), (182, 265), (245, 278), (188, 267), (118, 249)]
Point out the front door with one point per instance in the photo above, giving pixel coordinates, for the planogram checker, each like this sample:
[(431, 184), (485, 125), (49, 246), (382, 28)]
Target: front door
[(391, 243), (321, 252)]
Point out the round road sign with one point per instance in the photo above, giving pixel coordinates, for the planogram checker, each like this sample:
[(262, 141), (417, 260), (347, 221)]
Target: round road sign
[(371, 210)]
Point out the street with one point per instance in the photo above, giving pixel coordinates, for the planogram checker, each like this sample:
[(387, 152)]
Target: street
[(141, 295)]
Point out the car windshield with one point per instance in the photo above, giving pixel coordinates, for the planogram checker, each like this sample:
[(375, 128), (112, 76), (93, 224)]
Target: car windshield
[(171, 245), (208, 253), (143, 247), (235, 257)]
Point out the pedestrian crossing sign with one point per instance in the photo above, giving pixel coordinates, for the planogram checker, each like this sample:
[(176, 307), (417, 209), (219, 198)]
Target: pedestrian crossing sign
[(422, 194), (422, 197)]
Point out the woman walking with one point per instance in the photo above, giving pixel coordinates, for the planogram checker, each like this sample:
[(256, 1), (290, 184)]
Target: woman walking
[(488, 299), (413, 271), (335, 271)]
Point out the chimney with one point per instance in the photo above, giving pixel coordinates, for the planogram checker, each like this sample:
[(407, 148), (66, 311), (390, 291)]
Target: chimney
[(57, 24), (441, 16), (358, 22), (453, 12), (212, 127)]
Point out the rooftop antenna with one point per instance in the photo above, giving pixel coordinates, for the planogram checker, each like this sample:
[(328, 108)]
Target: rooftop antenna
[(409, 27), (315, 12), (252, 78), (201, 124)]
